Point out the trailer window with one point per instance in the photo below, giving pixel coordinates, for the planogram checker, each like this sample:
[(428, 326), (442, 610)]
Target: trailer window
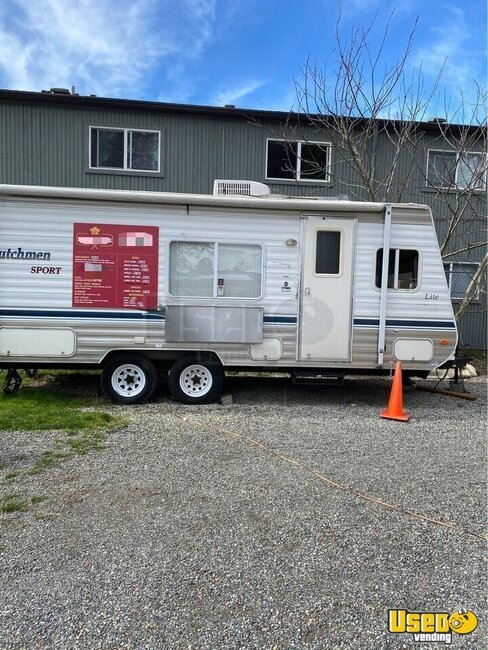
[(328, 252), (402, 268), (214, 270)]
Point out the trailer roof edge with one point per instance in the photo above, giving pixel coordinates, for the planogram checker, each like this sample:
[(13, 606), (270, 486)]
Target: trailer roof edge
[(277, 202)]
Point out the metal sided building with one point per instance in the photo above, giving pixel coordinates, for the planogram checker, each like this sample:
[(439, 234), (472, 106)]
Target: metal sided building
[(60, 139)]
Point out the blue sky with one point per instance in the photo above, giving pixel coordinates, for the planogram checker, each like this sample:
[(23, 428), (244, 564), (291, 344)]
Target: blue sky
[(216, 52)]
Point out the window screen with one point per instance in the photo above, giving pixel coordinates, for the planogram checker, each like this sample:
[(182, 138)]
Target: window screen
[(402, 268), (209, 270), (239, 270), (191, 269), (328, 252)]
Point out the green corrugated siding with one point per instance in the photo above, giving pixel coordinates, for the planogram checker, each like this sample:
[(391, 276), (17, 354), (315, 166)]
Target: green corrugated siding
[(473, 327)]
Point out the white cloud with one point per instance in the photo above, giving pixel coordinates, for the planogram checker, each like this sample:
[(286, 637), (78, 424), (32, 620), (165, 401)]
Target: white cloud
[(233, 95), (453, 50), (202, 14), (106, 47)]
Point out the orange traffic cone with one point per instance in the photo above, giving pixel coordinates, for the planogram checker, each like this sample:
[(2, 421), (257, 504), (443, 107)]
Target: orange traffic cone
[(394, 410)]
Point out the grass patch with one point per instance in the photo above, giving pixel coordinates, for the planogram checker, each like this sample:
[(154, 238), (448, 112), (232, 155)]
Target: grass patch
[(71, 445), (12, 503), (38, 499), (47, 459), (42, 409), (47, 408), (85, 443)]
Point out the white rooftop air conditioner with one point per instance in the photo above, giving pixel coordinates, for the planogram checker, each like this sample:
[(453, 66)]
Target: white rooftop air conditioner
[(240, 188)]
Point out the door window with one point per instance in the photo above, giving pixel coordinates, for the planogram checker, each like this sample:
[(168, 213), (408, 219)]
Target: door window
[(328, 252)]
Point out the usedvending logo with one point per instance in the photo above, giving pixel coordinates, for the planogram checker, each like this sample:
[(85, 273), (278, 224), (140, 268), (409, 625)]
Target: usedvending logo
[(431, 627)]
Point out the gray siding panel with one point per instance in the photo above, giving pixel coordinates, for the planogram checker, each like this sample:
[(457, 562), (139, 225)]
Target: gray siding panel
[(473, 327)]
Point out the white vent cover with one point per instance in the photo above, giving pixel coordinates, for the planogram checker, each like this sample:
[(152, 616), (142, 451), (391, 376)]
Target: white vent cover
[(240, 188)]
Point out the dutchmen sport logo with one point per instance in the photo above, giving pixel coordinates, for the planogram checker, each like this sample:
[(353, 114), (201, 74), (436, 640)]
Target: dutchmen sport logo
[(431, 627)]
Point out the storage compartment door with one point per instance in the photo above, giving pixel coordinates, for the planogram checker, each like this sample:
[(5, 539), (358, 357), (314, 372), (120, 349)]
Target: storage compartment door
[(37, 342)]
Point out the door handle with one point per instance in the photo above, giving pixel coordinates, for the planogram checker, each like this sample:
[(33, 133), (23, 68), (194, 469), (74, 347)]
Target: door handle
[(307, 291)]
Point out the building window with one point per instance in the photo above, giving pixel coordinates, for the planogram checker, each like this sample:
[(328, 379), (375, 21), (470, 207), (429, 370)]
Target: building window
[(125, 149), (214, 270), (328, 252), (403, 266), (459, 276), (296, 160), (447, 169)]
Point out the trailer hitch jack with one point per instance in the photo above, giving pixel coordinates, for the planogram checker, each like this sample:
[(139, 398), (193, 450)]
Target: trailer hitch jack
[(13, 380), (456, 385)]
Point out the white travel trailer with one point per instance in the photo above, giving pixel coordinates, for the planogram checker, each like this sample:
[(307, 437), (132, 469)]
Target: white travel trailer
[(139, 282)]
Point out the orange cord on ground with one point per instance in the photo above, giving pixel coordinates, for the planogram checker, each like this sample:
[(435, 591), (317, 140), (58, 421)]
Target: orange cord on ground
[(329, 481)]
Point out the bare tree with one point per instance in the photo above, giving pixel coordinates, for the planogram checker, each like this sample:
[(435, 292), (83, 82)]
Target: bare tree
[(362, 101)]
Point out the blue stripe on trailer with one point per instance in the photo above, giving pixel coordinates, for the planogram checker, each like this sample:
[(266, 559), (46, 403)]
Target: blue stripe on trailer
[(280, 319), (124, 315), (74, 313), (406, 324)]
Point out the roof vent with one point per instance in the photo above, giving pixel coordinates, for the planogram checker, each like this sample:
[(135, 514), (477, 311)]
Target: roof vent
[(439, 120), (60, 91), (240, 188)]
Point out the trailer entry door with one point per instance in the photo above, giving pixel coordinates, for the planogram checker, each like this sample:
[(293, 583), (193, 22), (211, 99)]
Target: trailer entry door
[(326, 289)]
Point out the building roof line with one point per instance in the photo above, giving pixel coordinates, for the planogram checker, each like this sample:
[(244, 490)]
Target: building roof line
[(231, 112)]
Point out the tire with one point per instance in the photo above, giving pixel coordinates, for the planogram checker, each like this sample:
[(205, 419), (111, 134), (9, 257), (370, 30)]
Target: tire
[(196, 381), (129, 379)]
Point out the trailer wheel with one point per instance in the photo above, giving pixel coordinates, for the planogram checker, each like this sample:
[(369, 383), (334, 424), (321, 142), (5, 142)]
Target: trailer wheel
[(193, 381), (129, 379)]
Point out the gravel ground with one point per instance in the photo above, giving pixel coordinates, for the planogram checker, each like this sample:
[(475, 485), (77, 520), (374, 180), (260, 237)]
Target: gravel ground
[(182, 535)]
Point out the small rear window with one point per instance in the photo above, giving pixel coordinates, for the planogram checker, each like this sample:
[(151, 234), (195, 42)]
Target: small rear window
[(403, 268)]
